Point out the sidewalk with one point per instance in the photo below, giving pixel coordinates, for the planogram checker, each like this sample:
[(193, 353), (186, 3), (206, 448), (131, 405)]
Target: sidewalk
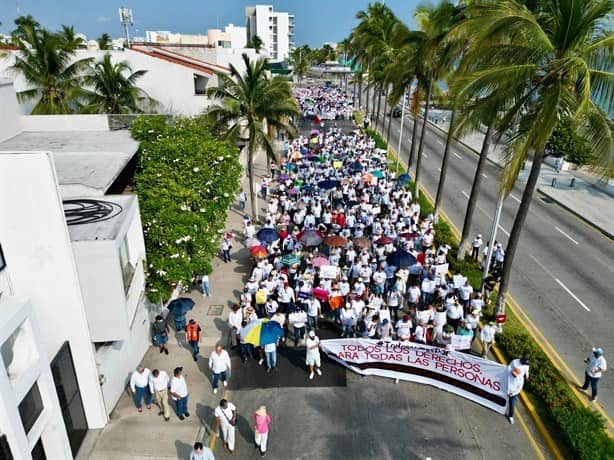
[(584, 199), (130, 435)]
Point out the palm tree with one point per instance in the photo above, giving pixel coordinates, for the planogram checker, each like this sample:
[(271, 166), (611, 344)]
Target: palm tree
[(549, 65), (23, 23), (299, 58), (250, 102), (114, 90), (70, 39), (46, 61), (104, 41), (255, 43)]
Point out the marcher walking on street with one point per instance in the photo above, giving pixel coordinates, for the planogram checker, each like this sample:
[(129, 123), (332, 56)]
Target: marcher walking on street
[(596, 365), (179, 393), (193, 331), (487, 337), (158, 386), (270, 352), (200, 452), (515, 382), (235, 318), (261, 429), (160, 332), (226, 246), (242, 200), (313, 354), (219, 363), (205, 285), (226, 414), (139, 384)]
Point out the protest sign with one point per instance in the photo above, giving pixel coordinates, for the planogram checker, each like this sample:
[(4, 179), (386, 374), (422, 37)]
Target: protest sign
[(461, 342), (476, 379), (328, 271), (441, 269), (459, 281)]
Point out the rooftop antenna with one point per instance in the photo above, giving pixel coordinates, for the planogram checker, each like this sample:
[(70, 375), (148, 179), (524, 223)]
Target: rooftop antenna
[(17, 6), (125, 17)]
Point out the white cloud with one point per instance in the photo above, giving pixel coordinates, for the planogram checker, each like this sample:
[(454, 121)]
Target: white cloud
[(103, 19)]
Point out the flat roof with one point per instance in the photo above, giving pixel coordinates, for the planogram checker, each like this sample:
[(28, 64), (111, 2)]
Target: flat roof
[(86, 162), (108, 213)]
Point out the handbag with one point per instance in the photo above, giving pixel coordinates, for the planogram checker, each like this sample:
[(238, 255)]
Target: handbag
[(229, 420)]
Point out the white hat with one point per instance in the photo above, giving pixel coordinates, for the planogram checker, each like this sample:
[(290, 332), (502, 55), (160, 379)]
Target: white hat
[(312, 333)]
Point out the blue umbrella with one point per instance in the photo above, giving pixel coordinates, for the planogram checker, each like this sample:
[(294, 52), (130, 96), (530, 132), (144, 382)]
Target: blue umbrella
[(377, 173), (306, 188), (356, 166), (311, 238), (267, 235), (401, 259), (181, 306), (404, 177), (328, 184)]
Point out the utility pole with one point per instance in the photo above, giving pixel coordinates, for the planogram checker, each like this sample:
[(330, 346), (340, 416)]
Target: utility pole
[(401, 131), (493, 236)]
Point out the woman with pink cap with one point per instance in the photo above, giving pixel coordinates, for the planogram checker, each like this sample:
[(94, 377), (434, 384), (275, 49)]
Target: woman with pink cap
[(261, 429)]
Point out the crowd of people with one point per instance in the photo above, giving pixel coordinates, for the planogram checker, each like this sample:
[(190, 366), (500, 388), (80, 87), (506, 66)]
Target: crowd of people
[(324, 103)]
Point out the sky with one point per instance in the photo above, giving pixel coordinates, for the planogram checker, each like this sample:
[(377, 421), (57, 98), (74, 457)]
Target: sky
[(316, 21)]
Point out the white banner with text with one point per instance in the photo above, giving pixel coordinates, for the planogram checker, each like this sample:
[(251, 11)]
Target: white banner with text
[(477, 379)]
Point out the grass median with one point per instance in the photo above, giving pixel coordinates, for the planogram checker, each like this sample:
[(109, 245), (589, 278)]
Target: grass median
[(579, 432)]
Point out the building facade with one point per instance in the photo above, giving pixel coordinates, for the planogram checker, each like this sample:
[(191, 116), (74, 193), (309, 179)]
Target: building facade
[(275, 29)]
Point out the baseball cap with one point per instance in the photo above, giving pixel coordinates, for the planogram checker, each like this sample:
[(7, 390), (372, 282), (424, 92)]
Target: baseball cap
[(598, 351), (312, 333)]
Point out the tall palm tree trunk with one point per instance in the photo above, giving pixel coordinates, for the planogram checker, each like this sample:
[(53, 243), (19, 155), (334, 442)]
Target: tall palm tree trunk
[(384, 114), (389, 128), (250, 175), (421, 147), (367, 87), (475, 193), (359, 94), (444, 167), (512, 243), (379, 104)]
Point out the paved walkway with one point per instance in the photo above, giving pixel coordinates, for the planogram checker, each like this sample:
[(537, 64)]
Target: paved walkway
[(584, 199)]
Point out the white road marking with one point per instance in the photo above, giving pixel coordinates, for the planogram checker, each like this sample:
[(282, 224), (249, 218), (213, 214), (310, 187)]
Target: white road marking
[(514, 197), (457, 155), (465, 194), (484, 176), (575, 297), (439, 169), (425, 155), (565, 234), (504, 230)]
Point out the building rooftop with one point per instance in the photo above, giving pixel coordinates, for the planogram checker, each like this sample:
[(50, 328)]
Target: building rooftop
[(97, 218), (86, 162)]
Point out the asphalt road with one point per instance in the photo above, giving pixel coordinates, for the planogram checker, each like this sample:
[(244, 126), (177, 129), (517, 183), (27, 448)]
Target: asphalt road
[(563, 274)]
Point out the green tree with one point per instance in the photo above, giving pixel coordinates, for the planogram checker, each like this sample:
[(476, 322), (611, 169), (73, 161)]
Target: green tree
[(568, 143), (299, 59), (22, 25), (186, 183), (112, 89), (104, 41), (250, 102), (46, 61), (549, 65), (255, 43)]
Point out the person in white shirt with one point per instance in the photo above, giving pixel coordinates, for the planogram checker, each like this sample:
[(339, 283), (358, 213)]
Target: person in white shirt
[(515, 382), (312, 344), (465, 293), (235, 318), (298, 320), (455, 314), (522, 364), (219, 363), (314, 310), (158, 386), (226, 414), (403, 328), (596, 365), (476, 244), (487, 337), (348, 320), (139, 384), (420, 333), (179, 393)]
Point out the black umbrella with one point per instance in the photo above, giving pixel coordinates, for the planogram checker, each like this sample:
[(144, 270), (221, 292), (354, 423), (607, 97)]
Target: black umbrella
[(181, 306), (401, 259), (356, 166), (328, 184), (268, 235)]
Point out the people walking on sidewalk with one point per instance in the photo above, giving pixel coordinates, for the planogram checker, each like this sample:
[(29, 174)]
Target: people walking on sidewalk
[(219, 363), (139, 384), (200, 452), (235, 318), (205, 285), (515, 382), (487, 337), (596, 365), (226, 414), (158, 386), (242, 200), (226, 246), (160, 333), (193, 331), (313, 354), (179, 393), (261, 429)]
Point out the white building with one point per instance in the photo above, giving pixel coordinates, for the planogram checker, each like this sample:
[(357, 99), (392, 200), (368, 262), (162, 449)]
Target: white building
[(231, 37), (276, 30), (74, 320), (177, 76)]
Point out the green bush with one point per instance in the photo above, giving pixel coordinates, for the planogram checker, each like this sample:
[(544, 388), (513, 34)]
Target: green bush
[(186, 183), (380, 143)]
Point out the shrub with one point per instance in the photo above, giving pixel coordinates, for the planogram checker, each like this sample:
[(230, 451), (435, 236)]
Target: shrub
[(185, 182)]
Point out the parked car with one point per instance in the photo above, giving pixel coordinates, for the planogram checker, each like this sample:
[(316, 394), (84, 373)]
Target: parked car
[(397, 111)]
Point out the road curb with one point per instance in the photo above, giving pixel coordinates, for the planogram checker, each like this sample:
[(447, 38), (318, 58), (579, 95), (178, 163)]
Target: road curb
[(575, 213)]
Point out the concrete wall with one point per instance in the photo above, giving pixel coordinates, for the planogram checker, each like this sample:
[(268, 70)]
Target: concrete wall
[(9, 110), (64, 123), (39, 258)]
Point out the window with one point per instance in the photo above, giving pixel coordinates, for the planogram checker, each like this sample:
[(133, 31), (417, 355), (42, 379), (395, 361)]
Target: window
[(200, 84), (127, 267), (38, 452), (2, 261), (71, 404), (30, 408), (5, 449)]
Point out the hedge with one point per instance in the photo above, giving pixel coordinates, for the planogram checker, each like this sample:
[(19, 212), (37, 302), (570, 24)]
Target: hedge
[(582, 430)]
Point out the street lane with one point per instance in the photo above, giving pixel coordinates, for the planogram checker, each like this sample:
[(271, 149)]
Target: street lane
[(556, 274)]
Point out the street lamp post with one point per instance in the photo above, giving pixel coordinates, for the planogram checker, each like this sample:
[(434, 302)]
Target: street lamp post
[(493, 236)]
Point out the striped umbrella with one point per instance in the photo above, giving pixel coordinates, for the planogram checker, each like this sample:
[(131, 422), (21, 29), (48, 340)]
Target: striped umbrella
[(262, 332)]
